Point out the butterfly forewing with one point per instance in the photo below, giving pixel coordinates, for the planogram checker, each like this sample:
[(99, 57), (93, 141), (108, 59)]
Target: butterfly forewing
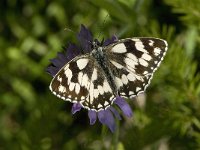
[(133, 62), (81, 80)]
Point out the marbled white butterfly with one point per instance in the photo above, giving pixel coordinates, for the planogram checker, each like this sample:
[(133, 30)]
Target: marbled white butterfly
[(123, 68)]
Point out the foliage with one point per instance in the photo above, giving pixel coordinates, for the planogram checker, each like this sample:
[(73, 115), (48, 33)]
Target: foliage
[(32, 32)]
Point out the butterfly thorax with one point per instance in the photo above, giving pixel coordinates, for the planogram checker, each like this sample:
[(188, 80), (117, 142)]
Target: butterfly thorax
[(102, 61)]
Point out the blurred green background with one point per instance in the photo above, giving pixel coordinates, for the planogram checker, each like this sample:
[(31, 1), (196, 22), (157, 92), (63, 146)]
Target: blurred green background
[(32, 32)]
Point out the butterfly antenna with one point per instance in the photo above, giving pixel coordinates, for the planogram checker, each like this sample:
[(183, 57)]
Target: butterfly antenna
[(102, 26)]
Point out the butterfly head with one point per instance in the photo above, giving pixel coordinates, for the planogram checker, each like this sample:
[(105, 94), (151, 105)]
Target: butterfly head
[(96, 44)]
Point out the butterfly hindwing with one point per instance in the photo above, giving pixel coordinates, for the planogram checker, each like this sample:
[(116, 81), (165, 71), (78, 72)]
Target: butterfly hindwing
[(133, 62), (82, 80)]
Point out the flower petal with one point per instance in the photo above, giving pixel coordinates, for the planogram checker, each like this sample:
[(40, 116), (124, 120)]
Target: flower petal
[(110, 41), (62, 57), (76, 107), (115, 112), (72, 51), (85, 38), (93, 116), (124, 106), (106, 117), (52, 70), (57, 62)]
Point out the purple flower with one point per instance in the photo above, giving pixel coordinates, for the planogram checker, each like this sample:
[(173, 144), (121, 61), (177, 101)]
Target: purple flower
[(85, 38)]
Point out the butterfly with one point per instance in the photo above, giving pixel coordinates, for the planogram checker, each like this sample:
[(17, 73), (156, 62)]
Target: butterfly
[(123, 68)]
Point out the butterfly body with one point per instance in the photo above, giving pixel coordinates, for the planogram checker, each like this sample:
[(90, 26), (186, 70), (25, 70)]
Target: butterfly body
[(101, 58), (123, 68)]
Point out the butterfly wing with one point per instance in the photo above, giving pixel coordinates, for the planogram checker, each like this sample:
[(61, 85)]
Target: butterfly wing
[(133, 62), (82, 80)]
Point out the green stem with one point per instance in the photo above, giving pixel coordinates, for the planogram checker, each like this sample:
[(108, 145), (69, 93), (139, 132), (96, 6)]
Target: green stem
[(116, 135), (103, 134)]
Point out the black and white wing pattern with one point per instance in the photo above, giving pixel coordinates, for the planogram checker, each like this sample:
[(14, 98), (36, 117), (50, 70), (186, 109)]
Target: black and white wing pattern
[(82, 80), (133, 62), (124, 68)]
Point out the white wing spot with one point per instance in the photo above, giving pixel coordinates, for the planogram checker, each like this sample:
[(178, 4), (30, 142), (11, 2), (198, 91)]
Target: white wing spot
[(151, 43), (131, 77), (123, 93), (131, 93), (94, 74), (139, 46), (106, 86), (106, 103), (138, 89), (130, 68), (100, 88), (116, 64), (118, 82), (136, 40), (99, 106), (157, 50), (143, 62), (80, 77), (130, 62), (112, 97), (59, 78), (124, 79), (81, 63), (77, 88), (139, 78), (71, 86), (68, 74), (133, 57), (84, 80), (61, 89), (119, 48), (66, 67), (146, 57), (96, 93), (91, 93)]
